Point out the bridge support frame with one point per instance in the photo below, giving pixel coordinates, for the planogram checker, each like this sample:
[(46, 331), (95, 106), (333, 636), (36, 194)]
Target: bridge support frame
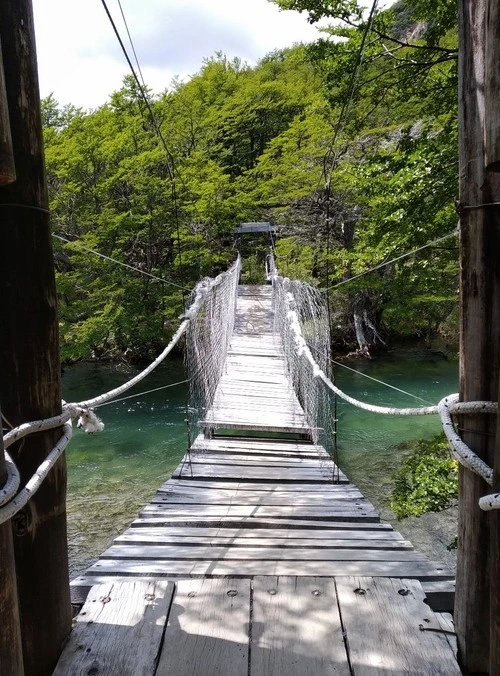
[(480, 329), (29, 354)]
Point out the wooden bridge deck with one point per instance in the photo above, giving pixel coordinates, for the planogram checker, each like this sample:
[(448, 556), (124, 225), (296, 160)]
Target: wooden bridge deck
[(259, 557)]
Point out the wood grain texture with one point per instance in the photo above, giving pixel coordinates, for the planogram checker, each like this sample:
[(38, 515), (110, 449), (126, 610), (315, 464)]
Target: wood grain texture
[(29, 353), (207, 630), (479, 329), (252, 553), (296, 629), (118, 631), (421, 570), (11, 655), (390, 630), (7, 164)]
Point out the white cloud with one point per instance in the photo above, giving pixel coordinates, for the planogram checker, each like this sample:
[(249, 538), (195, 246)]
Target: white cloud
[(81, 62)]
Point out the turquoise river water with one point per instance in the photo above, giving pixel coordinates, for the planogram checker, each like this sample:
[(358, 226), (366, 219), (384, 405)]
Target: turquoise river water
[(111, 475)]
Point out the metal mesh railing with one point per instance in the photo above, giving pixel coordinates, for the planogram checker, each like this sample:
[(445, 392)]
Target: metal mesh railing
[(207, 339)]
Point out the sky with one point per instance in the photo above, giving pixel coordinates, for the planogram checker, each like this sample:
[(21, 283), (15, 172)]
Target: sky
[(80, 61)]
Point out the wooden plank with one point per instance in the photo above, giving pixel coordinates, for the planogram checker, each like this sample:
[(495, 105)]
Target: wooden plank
[(118, 631), (440, 596), (242, 460), (448, 627), (274, 534), (290, 489), (215, 422), (240, 568), (296, 628), (262, 474), (139, 538), (268, 445), (207, 630), (254, 523), (336, 512), (390, 630), (245, 499), (261, 453), (169, 552), (192, 496), (332, 493)]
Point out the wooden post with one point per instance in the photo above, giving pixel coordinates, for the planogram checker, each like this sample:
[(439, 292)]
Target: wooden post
[(7, 168), (480, 336), (11, 656), (492, 151), (29, 353)]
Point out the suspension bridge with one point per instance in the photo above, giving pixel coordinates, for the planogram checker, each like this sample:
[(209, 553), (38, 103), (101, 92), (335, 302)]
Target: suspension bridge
[(258, 556)]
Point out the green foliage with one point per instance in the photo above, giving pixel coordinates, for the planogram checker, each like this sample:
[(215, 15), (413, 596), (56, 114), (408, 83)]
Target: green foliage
[(265, 143), (427, 481)]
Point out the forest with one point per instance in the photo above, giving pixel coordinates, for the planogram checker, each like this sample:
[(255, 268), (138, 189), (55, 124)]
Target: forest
[(347, 145)]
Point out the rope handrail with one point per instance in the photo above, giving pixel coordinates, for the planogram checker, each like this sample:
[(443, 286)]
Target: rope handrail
[(10, 500), (446, 408)]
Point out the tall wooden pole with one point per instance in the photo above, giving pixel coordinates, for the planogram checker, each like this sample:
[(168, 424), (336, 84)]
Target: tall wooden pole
[(480, 335), (492, 155), (29, 353), (11, 656)]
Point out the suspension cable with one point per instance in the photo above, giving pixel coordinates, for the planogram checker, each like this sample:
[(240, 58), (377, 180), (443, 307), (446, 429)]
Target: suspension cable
[(393, 260), (114, 260)]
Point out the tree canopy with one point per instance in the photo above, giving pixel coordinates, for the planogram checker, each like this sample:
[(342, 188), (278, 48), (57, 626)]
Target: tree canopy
[(348, 145)]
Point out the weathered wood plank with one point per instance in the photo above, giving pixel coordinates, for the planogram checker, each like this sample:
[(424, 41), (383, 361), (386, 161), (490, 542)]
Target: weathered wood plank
[(192, 496), (334, 513), (254, 523), (138, 538), (268, 446), (207, 630), (118, 631), (254, 486), (275, 534), (389, 628), (296, 628), (241, 460), (244, 424), (440, 595), (262, 474), (252, 553), (421, 570), (448, 627)]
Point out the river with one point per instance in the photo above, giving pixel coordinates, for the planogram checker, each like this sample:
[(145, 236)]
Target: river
[(111, 475)]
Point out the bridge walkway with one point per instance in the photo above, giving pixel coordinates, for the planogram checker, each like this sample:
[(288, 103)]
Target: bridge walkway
[(259, 557)]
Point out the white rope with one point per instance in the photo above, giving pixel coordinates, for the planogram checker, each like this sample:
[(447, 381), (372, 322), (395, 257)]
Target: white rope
[(10, 503), (489, 502), (12, 482), (7, 511), (447, 407), (459, 449)]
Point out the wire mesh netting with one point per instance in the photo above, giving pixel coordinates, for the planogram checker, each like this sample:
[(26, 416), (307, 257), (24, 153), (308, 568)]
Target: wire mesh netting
[(212, 312), (301, 318)]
